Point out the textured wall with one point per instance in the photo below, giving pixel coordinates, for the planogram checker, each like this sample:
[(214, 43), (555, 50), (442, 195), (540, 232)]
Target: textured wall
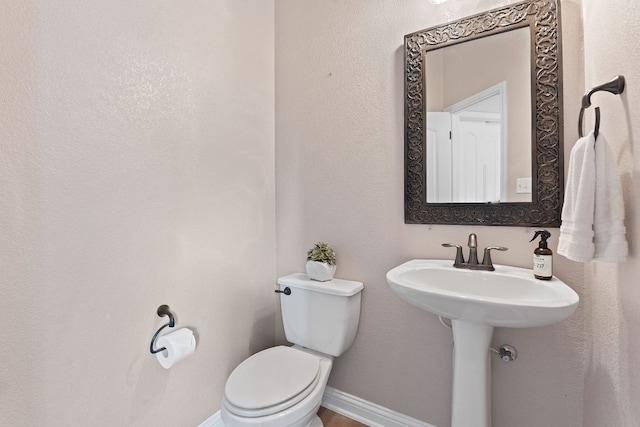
[(136, 169), (612, 380), (339, 156)]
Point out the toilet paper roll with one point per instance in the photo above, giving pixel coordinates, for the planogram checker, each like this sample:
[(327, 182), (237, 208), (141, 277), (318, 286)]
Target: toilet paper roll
[(178, 344)]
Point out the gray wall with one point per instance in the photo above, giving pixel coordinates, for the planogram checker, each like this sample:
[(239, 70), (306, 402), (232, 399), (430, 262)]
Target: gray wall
[(136, 169), (339, 109), (612, 380)]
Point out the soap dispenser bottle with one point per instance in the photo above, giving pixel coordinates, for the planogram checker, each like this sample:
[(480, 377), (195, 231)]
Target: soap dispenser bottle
[(542, 257)]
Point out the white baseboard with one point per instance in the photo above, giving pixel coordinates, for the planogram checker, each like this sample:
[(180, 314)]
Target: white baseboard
[(213, 421), (353, 407), (366, 412)]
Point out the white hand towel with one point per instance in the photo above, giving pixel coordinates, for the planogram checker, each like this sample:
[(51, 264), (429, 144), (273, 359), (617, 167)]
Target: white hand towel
[(576, 232), (609, 230)]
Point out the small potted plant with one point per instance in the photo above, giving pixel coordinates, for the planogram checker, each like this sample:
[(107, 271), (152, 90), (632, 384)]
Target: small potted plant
[(321, 262)]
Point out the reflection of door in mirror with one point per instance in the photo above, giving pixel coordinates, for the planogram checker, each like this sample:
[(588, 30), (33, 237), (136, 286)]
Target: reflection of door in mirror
[(466, 149), (461, 79), (476, 149), (439, 173)]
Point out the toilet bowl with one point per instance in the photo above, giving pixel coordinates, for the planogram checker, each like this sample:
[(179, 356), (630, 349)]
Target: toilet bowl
[(280, 386), (283, 386)]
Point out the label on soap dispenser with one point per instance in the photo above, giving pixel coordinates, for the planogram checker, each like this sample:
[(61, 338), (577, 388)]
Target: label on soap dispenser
[(543, 265)]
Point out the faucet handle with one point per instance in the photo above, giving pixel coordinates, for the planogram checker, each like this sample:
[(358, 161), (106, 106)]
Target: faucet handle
[(486, 259), (459, 258)]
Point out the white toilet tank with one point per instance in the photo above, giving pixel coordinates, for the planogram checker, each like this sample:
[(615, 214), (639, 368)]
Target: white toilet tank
[(322, 316)]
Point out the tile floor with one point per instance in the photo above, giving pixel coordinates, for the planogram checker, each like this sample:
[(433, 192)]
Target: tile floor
[(332, 419)]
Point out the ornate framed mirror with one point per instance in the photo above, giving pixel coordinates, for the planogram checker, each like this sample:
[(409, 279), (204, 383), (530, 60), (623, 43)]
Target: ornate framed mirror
[(483, 119)]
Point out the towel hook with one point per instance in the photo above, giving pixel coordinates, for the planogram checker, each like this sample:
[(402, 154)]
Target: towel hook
[(163, 310), (615, 86)]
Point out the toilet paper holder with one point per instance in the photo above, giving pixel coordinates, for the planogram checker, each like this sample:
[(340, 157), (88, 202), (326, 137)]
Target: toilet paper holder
[(163, 310)]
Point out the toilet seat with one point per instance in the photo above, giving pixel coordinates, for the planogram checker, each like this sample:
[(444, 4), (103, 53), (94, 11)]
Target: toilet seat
[(271, 381)]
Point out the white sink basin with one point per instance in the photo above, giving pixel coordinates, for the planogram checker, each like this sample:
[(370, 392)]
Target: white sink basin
[(506, 297), (476, 302)]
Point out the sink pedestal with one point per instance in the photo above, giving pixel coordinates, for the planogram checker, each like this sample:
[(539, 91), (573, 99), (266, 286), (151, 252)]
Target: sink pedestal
[(509, 297), (471, 403)]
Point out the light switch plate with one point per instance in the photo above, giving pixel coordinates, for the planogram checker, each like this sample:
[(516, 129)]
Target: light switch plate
[(523, 185)]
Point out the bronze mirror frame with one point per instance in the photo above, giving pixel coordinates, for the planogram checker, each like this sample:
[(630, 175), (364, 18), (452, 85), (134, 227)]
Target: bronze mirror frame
[(543, 19)]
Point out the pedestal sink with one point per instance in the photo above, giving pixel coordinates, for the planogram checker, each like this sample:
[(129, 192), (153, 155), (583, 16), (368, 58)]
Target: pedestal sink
[(476, 302)]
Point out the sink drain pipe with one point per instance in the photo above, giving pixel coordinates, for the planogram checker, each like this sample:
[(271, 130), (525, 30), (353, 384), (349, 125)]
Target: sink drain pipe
[(507, 352)]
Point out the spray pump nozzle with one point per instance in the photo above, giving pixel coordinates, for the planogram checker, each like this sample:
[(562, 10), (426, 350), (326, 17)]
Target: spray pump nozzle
[(544, 235)]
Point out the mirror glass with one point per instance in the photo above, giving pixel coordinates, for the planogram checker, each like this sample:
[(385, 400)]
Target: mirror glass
[(478, 128), (483, 119)]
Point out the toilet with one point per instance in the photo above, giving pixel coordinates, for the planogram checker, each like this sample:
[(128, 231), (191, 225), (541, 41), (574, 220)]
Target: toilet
[(283, 386)]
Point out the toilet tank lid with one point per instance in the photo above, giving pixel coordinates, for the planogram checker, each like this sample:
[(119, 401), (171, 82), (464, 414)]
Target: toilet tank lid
[(335, 286)]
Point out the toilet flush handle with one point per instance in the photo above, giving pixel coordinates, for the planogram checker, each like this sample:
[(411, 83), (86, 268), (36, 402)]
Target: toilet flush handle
[(287, 291)]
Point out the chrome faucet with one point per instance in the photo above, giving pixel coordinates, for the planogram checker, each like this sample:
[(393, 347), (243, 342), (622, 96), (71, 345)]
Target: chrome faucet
[(472, 263)]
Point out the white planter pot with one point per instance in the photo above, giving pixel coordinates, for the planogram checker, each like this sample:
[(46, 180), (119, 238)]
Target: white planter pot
[(320, 271)]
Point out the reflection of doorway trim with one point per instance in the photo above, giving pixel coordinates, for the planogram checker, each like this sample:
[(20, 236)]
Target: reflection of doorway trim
[(499, 89)]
